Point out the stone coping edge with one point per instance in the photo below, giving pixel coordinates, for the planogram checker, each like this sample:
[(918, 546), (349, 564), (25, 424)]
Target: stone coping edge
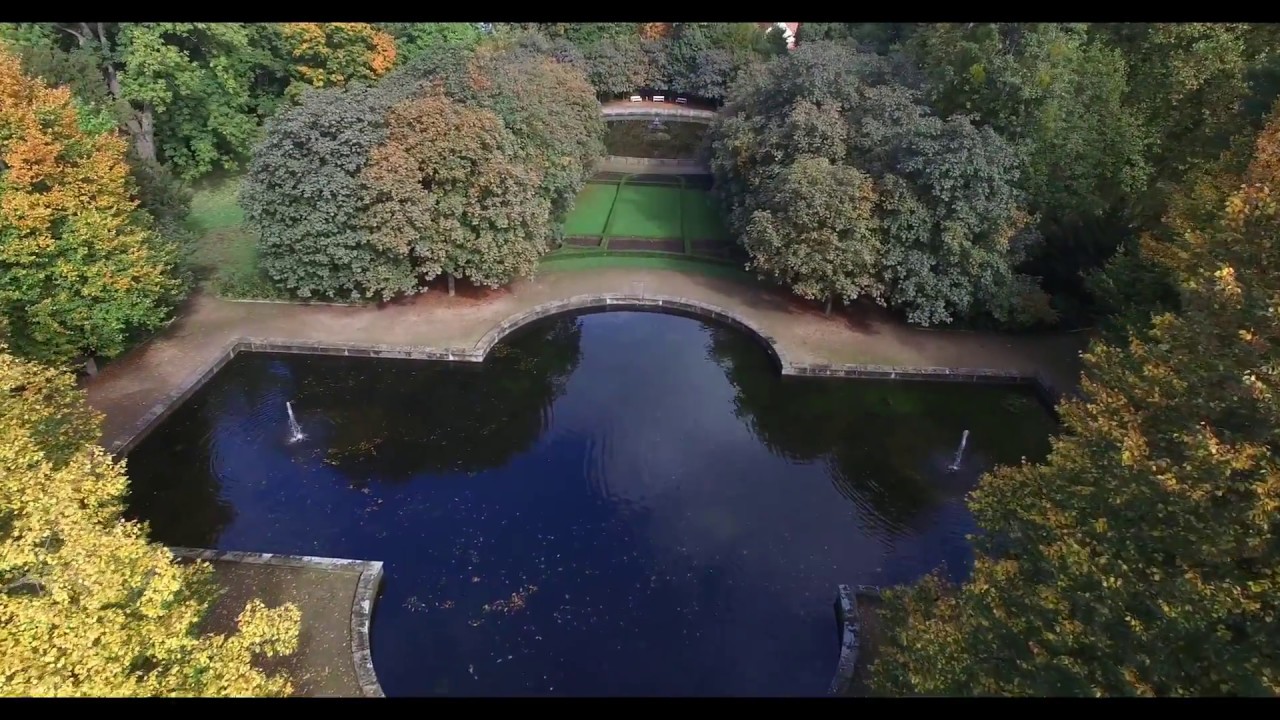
[(692, 167), (849, 625), (366, 595), (1045, 391)]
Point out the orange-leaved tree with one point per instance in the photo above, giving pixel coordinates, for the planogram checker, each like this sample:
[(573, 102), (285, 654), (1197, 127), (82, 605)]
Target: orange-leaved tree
[(80, 267)]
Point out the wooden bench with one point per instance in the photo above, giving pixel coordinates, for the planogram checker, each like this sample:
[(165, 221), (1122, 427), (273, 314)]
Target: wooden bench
[(636, 98), (682, 101), (659, 98)]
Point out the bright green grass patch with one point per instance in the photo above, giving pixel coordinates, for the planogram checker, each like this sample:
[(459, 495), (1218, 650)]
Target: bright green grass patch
[(215, 207), (591, 210), (224, 252), (646, 211), (702, 218)]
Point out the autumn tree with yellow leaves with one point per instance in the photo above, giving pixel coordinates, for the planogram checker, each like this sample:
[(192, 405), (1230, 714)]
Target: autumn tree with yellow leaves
[(81, 268), (89, 607), (334, 54), (1143, 557)]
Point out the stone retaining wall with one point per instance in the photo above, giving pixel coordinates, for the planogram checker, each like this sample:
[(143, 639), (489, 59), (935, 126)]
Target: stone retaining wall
[(669, 164), (370, 572), (623, 112)]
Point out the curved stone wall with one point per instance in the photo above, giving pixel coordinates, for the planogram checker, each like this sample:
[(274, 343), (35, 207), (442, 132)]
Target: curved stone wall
[(649, 303), (1047, 393)]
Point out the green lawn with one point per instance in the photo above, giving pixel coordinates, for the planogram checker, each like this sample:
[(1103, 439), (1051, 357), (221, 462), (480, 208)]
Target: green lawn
[(591, 210), (702, 218), (646, 211)]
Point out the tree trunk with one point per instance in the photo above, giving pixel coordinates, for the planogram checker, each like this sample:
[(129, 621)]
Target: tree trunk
[(142, 131), (141, 127), (830, 297), (450, 284)]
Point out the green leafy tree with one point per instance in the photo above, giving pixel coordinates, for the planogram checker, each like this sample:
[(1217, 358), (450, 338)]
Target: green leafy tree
[(816, 232), (88, 607), (304, 201), (1059, 95), (1141, 557), (947, 208), (81, 268), (413, 39), (616, 66)]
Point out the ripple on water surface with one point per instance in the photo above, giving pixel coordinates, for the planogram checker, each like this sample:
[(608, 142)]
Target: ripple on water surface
[(612, 504)]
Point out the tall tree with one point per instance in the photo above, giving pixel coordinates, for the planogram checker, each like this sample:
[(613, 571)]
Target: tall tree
[(80, 267), (1060, 96), (187, 87), (1141, 557), (616, 66), (303, 200), (87, 606)]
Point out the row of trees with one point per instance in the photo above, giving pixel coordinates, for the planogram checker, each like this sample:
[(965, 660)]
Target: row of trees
[(462, 164), (1079, 131), (193, 95), (93, 219), (698, 59)]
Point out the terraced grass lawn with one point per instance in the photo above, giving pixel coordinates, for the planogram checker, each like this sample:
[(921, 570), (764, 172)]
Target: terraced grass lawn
[(591, 211), (702, 218), (646, 211)]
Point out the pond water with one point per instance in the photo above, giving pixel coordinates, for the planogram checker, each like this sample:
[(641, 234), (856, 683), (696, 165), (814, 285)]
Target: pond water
[(648, 139), (612, 504)]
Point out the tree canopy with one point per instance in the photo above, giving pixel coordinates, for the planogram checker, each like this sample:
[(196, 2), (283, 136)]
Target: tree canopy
[(88, 607), (462, 163), (81, 268), (1141, 557), (947, 224)]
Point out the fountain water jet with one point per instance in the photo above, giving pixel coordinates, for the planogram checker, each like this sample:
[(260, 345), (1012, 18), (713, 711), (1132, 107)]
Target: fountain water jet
[(295, 430), (955, 464)]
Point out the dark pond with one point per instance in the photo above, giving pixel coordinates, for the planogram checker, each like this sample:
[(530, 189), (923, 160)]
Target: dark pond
[(648, 139), (613, 504)]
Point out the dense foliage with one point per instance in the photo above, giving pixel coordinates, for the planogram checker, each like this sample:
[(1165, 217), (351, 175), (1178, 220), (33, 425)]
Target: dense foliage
[(1141, 558), (939, 225), (461, 164), (81, 269), (87, 606)]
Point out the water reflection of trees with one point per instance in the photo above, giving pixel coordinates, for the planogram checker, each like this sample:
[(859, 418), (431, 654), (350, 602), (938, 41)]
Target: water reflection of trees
[(392, 420), (172, 480), (887, 443)]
